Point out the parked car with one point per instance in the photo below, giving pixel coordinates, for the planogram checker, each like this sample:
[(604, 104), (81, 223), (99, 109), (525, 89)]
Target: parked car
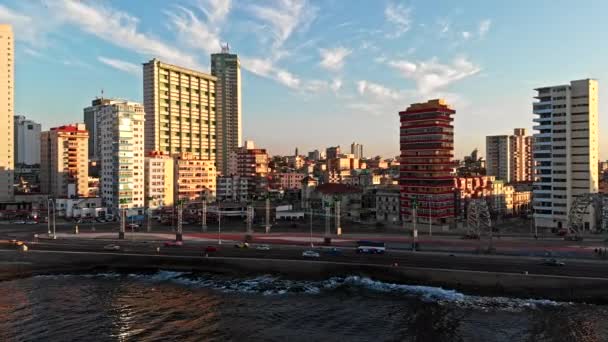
[(263, 247), (133, 226), (173, 243), (211, 249), (333, 251), (310, 254), (111, 247), (19, 222), (242, 245), (31, 222), (553, 262)]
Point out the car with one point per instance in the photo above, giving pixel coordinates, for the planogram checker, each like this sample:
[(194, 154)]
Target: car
[(133, 226), (19, 222), (211, 249), (263, 247), (111, 247), (562, 232), (333, 251), (310, 254), (573, 238), (242, 245), (173, 243), (100, 220), (31, 222), (553, 262), (15, 242)]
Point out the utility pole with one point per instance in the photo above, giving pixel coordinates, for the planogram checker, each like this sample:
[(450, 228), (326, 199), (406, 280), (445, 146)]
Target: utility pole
[(219, 223), (204, 215), (149, 228), (249, 234), (338, 228), (430, 219), (48, 215), (327, 224), (415, 230), (310, 211), (267, 214), (180, 209)]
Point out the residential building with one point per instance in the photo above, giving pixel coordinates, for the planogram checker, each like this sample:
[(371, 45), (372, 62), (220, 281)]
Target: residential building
[(506, 200), (7, 89), (234, 188), (180, 110), (332, 152), (343, 162), (121, 141), (226, 67), (248, 161), (90, 121), (194, 178), (509, 157), (290, 180), (64, 168), (387, 204), (158, 173), (356, 150), (565, 151), (314, 155), (27, 141), (427, 150)]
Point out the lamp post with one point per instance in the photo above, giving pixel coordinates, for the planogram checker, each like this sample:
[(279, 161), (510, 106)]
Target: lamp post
[(310, 211), (203, 212), (430, 219), (219, 223), (123, 219), (149, 228), (180, 209), (50, 202)]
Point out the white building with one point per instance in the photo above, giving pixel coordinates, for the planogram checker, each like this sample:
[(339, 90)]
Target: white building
[(565, 150), (234, 188), (27, 141), (158, 180), (7, 92), (121, 136), (509, 157), (91, 117)]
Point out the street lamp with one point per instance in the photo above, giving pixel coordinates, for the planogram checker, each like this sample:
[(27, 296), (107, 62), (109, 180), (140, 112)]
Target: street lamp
[(50, 202), (121, 233), (219, 223)]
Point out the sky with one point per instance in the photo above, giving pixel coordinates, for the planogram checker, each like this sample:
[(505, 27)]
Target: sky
[(317, 73)]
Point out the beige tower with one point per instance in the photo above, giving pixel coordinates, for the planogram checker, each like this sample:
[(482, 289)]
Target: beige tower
[(179, 108), (7, 84)]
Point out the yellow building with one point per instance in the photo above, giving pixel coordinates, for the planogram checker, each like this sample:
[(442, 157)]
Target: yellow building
[(7, 84), (194, 178)]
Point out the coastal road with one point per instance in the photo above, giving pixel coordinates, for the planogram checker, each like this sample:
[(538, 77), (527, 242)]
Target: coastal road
[(573, 268)]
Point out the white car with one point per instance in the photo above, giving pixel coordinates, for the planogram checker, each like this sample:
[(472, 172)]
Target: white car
[(19, 222), (310, 254), (263, 247), (31, 222), (111, 247)]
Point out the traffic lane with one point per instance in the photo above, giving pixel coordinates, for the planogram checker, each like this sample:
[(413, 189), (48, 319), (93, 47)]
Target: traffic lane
[(411, 260)]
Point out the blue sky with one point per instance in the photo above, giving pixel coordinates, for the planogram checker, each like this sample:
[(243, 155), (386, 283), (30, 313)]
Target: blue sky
[(317, 73)]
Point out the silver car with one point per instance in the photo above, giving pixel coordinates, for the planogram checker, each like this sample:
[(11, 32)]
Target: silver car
[(310, 254)]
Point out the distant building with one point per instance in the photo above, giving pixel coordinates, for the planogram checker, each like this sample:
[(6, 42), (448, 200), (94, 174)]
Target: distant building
[(27, 141), (64, 161), (427, 149), (7, 100), (566, 145), (290, 180), (158, 180), (332, 152), (234, 188), (509, 157), (248, 161), (356, 150), (314, 155), (180, 110), (121, 141), (227, 68), (387, 204), (194, 178)]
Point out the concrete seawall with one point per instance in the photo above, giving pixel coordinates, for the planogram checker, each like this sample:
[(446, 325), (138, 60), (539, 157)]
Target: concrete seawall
[(470, 282)]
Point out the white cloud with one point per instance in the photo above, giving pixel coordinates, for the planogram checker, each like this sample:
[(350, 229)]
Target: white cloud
[(431, 76), (285, 17), (25, 27), (484, 27), (266, 68), (118, 28), (336, 85), (333, 59), (193, 32), (216, 11), (399, 16), (466, 35), (378, 91), (121, 65), (32, 52), (318, 86)]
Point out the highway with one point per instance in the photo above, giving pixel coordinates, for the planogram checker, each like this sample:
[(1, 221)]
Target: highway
[(402, 258)]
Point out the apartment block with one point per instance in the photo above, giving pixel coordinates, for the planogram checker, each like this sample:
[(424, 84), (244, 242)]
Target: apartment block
[(426, 169), (180, 107), (227, 68), (356, 150), (91, 116), (158, 188), (121, 141), (194, 178), (235, 188), (509, 157), (27, 141), (248, 161), (565, 150), (7, 100), (64, 168)]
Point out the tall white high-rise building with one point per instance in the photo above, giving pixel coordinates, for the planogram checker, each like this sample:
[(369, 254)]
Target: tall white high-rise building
[(121, 141), (90, 120), (27, 141), (227, 68), (357, 150), (7, 96), (565, 150)]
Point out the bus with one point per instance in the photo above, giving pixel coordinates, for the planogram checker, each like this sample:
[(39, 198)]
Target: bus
[(371, 247)]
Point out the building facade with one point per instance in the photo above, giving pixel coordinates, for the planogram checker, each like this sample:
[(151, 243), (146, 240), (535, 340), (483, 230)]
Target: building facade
[(158, 173), (332, 152), (234, 188), (7, 98), (194, 178), (565, 150), (248, 161), (90, 121), (509, 157), (387, 204), (426, 168), (27, 141), (64, 168), (180, 110), (226, 67), (121, 132), (356, 150)]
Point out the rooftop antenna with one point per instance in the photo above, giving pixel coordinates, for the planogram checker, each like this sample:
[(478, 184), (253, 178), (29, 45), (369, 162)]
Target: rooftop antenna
[(102, 93), (225, 48)]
